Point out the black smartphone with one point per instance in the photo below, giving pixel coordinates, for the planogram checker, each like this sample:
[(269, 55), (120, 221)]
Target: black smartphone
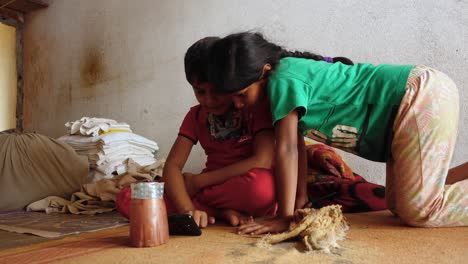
[(183, 225)]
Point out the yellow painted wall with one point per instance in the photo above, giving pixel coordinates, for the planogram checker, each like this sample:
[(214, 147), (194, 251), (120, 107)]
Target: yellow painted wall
[(7, 77)]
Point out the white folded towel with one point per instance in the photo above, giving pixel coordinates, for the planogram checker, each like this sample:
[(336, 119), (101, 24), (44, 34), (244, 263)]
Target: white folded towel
[(119, 166), (93, 126), (110, 139), (108, 152)]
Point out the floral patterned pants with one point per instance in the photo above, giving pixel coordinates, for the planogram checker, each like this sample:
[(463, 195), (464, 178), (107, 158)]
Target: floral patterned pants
[(425, 131)]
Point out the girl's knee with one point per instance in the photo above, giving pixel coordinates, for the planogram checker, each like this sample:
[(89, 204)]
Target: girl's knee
[(418, 217), (416, 221)]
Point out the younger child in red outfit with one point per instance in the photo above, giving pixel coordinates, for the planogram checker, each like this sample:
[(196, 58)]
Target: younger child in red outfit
[(237, 182)]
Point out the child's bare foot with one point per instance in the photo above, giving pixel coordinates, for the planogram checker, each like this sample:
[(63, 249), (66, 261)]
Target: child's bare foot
[(246, 219), (235, 218)]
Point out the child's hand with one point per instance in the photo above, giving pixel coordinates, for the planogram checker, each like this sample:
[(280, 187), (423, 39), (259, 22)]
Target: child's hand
[(191, 183), (272, 225), (201, 218)]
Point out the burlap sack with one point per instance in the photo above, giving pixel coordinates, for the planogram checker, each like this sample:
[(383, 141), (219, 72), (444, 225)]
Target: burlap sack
[(33, 166)]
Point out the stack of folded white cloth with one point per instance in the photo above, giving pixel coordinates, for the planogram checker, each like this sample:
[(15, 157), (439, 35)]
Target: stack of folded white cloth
[(107, 147), (93, 126)]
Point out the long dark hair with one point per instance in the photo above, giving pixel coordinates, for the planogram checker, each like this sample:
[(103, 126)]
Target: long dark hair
[(196, 60), (237, 60)]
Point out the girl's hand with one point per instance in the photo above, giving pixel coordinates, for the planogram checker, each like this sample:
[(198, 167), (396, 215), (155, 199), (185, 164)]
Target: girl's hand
[(272, 225), (191, 183), (201, 218)]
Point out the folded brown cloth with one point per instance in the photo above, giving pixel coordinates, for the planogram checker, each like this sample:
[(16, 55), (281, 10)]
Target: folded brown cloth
[(97, 197)]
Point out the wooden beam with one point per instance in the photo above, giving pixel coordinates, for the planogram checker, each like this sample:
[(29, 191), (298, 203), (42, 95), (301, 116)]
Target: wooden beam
[(5, 2), (23, 6), (12, 14)]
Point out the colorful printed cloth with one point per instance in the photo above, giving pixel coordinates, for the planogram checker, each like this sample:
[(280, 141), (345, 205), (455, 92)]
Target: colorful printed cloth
[(331, 181)]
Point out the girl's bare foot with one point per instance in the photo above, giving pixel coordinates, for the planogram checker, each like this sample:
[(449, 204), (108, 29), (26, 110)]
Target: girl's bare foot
[(235, 218)]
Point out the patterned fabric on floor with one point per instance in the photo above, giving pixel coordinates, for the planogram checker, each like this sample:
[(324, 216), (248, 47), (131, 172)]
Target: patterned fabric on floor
[(331, 181)]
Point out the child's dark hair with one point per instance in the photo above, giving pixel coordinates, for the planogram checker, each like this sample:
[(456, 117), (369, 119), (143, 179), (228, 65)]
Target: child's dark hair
[(196, 60), (237, 60)]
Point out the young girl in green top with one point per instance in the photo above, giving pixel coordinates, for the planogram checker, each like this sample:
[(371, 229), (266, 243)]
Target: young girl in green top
[(404, 115)]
